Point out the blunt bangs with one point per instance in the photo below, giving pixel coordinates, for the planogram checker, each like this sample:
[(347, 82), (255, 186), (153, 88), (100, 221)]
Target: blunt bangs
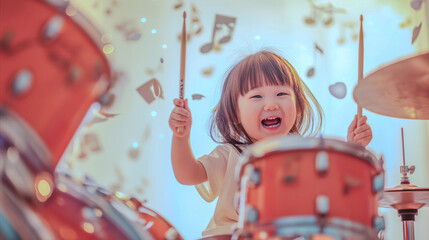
[(263, 68)]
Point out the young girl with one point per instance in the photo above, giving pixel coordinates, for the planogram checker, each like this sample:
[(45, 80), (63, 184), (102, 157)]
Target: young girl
[(262, 96)]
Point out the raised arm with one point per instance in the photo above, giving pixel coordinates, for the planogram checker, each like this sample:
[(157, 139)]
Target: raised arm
[(187, 169)]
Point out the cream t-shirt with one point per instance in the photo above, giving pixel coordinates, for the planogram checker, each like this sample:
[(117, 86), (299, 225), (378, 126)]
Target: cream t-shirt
[(220, 166)]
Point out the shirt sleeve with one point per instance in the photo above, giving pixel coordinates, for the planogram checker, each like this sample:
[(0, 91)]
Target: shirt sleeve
[(215, 165)]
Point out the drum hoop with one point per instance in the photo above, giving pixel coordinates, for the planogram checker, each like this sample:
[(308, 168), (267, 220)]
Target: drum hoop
[(25, 139), (296, 142), (308, 225), (22, 217), (109, 210)]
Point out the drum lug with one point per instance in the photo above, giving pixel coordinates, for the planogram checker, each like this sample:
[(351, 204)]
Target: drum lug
[(53, 28), (378, 182), (322, 204), (251, 214), (322, 162), (171, 234), (378, 223), (255, 176), (22, 82)]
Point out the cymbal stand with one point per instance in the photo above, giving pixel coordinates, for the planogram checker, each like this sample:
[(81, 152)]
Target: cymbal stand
[(407, 215)]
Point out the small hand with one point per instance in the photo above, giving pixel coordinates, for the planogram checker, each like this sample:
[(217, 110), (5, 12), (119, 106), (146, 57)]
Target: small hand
[(180, 117), (359, 131)]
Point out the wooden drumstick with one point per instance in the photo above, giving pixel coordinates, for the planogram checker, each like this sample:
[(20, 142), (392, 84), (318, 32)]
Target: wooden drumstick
[(182, 64), (360, 66)]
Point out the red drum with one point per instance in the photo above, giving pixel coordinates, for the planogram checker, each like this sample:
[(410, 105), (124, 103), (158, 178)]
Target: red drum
[(151, 221), (51, 69), (310, 187), (72, 212)]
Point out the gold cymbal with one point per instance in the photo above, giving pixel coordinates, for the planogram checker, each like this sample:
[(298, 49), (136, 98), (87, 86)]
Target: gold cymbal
[(400, 89), (405, 196)]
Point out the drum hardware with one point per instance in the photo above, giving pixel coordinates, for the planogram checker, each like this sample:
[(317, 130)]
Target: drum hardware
[(22, 82), (251, 214), (350, 183), (322, 205), (322, 162), (290, 171), (378, 183), (406, 198), (52, 28)]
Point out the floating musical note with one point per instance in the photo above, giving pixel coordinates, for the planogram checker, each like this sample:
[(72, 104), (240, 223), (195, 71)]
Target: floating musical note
[(312, 70), (129, 30), (416, 32), (150, 90), (352, 28), (223, 29), (338, 90), (323, 13), (89, 142), (207, 72), (195, 27), (416, 4), (197, 96)]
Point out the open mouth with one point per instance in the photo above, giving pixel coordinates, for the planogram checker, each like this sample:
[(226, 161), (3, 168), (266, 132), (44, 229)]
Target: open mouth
[(271, 122)]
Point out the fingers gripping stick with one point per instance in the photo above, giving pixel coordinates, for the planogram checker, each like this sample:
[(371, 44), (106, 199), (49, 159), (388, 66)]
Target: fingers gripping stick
[(182, 64)]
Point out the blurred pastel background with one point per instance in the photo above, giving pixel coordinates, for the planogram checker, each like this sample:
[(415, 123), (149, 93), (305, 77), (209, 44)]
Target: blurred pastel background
[(319, 37)]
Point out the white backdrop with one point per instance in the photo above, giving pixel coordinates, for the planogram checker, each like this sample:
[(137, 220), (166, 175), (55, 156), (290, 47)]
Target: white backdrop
[(135, 145)]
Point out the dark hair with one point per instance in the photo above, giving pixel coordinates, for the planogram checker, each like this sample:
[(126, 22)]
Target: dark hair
[(264, 67)]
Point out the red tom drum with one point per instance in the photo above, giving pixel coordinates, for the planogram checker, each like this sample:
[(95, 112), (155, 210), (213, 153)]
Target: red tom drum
[(52, 68), (295, 186)]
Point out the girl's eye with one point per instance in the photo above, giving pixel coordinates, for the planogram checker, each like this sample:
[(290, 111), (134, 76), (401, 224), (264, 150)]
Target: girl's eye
[(282, 94), (256, 96)]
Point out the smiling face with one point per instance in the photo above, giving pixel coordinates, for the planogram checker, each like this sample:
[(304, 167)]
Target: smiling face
[(267, 111)]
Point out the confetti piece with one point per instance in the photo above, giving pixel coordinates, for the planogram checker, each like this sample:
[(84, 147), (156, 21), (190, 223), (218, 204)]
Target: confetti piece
[(309, 21), (150, 90), (310, 72), (134, 153), (318, 48), (338, 90), (133, 36), (89, 143), (329, 21), (405, 23), (147, 133), (416, 32), (416, 4), (207, 71), (179, 4), (108, 115), (197, 96)]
